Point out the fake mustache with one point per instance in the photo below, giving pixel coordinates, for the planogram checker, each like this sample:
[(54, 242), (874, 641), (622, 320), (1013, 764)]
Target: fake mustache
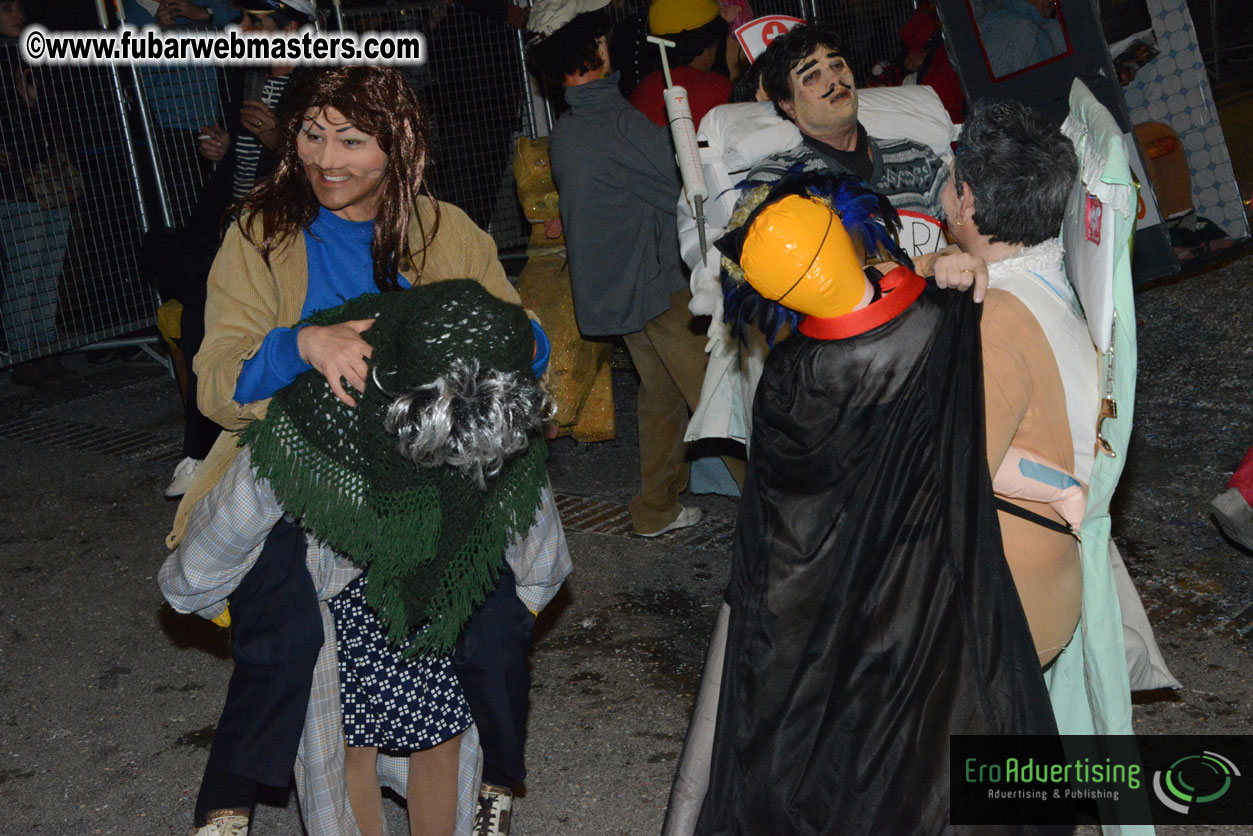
[(839, 87)]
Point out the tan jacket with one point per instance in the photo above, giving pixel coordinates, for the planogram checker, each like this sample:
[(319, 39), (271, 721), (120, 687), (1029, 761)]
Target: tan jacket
[(248, 298)]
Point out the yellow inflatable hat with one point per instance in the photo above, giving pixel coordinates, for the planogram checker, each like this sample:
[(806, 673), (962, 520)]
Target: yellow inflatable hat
[(669, 17), (797, 253)]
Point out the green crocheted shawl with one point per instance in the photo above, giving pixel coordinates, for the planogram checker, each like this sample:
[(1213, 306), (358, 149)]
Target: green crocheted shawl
[(433, 540)]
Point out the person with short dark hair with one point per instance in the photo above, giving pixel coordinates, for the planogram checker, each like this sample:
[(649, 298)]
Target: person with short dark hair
[(1022, 170), (1013, 174), (811, 82)]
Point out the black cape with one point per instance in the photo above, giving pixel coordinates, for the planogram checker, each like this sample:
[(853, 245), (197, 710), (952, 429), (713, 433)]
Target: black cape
[(872, 611)]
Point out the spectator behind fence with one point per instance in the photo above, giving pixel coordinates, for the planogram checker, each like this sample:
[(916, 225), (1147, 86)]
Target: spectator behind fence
[(249, 142), (180, 99), (178, 260), (38, 182), (700, 37)]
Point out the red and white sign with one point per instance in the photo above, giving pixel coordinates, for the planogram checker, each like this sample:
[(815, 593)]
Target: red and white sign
[(757, 34), (920, 233)]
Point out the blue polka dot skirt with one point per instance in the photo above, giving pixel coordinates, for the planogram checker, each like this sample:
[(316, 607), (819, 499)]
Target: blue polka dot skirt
[(393, 703)]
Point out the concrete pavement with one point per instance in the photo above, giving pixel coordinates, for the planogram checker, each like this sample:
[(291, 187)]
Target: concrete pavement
[(108, 699)]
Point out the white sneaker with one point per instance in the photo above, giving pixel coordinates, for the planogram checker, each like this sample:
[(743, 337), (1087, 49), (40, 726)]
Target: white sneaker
[(1234, 516), (183, 475), (688, 517), (492, 818), (224, 822)]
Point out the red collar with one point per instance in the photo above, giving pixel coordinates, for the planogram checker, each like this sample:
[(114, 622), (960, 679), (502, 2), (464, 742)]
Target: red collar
[(900, 288)]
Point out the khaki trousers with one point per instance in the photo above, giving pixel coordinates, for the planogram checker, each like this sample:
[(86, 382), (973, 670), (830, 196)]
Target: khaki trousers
[(669, 355)]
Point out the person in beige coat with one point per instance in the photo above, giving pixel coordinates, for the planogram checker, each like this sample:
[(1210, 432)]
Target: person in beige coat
[(346, 212)]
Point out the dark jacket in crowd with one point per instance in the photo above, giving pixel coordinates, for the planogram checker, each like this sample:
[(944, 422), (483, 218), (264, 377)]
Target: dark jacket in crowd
[(619, 188)]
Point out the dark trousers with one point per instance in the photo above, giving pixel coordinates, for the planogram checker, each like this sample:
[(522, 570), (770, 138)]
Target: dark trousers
[(199, 432), (490, 662), (177, 263), (278, 634)]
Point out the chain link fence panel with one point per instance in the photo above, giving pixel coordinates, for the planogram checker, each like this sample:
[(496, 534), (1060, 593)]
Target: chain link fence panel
[(70, 212), (475, 87)]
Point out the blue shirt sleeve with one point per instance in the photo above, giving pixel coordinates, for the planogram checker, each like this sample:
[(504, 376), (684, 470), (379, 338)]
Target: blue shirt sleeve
[(276, 364), (539, 364)]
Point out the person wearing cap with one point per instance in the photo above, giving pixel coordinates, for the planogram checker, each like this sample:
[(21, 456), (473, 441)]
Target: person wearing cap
[(249, 142), (346, 212), (867, 564), (619, 187), (700, 36)]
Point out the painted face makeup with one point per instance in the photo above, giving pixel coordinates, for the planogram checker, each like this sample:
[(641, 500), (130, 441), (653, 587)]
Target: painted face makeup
[(345, 166), (824, 95)]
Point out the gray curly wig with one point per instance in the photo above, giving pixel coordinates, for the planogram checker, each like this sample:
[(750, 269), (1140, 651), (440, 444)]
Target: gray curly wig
[(471, 419)]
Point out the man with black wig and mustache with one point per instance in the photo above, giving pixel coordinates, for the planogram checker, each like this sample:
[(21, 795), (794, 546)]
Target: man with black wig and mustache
[(811, 83)]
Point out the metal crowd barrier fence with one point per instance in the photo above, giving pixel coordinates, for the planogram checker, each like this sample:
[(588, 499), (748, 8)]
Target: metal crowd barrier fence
[(114, 154), (102, 154), (475, 88), (71, 216)]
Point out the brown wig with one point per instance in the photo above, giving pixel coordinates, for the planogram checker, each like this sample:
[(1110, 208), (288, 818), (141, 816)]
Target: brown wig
[(378, 102)]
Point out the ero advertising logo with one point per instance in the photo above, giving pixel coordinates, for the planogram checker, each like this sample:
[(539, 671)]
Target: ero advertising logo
[(1107, 779), (1194, 779)]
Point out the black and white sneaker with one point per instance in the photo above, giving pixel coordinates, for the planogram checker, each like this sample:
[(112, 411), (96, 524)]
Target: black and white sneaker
[(492, 818)]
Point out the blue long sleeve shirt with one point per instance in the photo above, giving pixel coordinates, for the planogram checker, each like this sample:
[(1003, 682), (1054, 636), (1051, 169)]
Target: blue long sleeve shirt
[(340, 268)]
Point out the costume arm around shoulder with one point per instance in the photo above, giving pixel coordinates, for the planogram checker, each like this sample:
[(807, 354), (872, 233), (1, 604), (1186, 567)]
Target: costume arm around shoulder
[(540, 559), (240, 309), (225, 533)]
